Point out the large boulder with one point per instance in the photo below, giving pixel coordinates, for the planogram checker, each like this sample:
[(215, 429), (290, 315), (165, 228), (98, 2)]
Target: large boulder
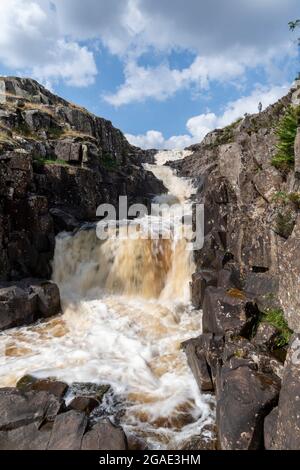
[(104, 436), (19, 408), (228, 310), (68, 430), (204, 354), (246, 396), (197, 362), (56, 387), (200, 280), (27, 301), (17, 307), (29, 437)]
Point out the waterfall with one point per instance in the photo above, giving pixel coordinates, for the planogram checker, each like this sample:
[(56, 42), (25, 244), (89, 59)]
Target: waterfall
[(126, 310)]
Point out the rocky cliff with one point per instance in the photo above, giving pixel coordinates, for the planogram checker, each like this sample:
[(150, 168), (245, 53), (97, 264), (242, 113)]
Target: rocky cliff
[(248, 276), (58, 162)]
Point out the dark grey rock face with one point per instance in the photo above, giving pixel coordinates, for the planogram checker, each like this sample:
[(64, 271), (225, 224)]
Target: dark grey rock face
[(270, 429), (56, 387), (289, 271), (224, 310), (27, 301), (197, 362), (34, 416), (68, 430), (287, 435), (246, 396), (249, 265), (19, 408), (104, 436)]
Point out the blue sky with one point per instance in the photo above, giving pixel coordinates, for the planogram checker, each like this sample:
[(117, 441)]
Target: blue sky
[(164, 71)]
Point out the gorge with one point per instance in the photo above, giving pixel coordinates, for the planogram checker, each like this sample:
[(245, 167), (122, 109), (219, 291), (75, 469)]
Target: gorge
[(103, 350)]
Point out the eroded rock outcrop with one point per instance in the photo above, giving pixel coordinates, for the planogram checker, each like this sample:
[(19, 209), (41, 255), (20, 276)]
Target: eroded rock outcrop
[(34, 416), (247, 280)]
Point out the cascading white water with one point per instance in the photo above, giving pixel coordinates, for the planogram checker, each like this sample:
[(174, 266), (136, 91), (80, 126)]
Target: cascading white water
[(126, 311)]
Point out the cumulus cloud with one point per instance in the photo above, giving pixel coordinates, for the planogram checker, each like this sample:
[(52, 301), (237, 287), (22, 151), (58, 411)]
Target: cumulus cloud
[(31, 41), (46, 37), (162, 82), (156, 140), (199, 126)]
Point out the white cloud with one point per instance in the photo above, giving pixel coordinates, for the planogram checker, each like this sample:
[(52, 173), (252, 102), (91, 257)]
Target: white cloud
[(70, 62), (44, 38), (199, 126), (30, 41), (162, 82), (156, 140)]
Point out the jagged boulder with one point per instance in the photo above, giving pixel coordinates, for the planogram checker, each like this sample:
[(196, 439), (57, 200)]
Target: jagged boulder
[(204, 355), (68, 430), (228, 310), (245, 397), (104, 436), (19, 408), (27, 301)]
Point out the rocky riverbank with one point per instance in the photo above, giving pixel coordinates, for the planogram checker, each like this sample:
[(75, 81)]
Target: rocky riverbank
[(50, 415), (247, 279)]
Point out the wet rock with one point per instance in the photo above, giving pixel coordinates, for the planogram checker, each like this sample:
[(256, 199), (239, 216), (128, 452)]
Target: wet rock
[(68, 430), (245, 397), (63, 221), (228, 310), (84, 404), (207, 440), (200, 280), (29, 437), (56, 387), (89, 390), (197, 362), (136, 443), (270, 428), (104, 436), (26, 301), (288, 424), (48, 296), (19, 408), (17, 307)]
